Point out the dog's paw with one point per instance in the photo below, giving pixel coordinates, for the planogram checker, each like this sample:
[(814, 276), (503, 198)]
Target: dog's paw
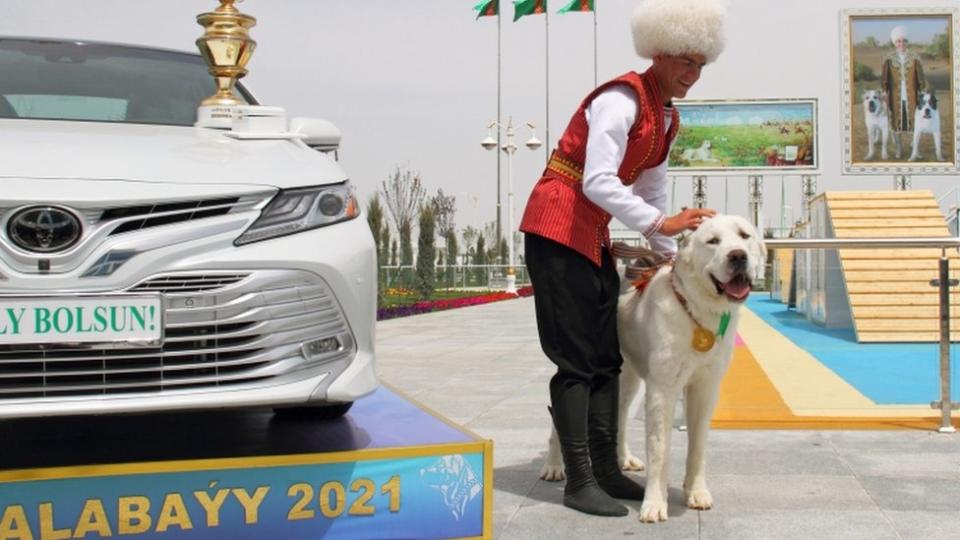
[(699, 499), (653, 511), (552, 473), (632, 463)]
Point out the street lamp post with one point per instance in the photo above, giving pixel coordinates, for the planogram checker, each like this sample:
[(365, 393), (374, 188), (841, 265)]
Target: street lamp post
[(510, 148)]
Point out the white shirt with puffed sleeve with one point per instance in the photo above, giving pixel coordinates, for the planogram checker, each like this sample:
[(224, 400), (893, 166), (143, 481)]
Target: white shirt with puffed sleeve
[(641, 206)]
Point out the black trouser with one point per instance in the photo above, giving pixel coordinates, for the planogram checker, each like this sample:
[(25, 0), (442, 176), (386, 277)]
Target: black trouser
[(576, 305)]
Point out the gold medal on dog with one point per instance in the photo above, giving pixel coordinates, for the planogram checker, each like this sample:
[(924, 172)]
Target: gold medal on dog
[(703, 339)]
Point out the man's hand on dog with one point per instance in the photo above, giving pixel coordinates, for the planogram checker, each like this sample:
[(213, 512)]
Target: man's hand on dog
[(688, 219)]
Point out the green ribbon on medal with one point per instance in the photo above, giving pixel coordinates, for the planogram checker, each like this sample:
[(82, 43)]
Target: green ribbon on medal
[(724, 322)]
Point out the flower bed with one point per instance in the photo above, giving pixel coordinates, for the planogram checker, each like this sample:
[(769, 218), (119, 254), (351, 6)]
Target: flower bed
[(426, 306)]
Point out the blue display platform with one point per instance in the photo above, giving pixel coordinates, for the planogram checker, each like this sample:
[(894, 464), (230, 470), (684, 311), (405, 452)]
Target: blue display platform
[(388, 469)]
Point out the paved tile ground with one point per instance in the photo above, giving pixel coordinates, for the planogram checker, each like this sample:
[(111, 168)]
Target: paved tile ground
[(482, 368)]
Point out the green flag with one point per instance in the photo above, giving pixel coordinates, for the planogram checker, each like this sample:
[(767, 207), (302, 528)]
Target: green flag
[(528, 7), (487, 8), (577, 5)]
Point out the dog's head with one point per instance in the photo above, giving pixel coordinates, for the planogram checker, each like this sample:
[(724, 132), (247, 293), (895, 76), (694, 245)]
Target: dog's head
[(873, 102), (927, 104), (706, 144), (722, 259)]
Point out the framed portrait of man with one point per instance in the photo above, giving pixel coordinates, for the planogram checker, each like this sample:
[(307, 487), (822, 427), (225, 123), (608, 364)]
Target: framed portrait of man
[(900, 74), (748, 135)]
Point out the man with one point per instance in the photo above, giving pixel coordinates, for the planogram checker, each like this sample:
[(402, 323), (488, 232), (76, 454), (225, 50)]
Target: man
[(610, 161), (902, 78)]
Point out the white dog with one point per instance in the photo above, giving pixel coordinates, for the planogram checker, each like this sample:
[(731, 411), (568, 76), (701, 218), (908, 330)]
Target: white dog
[(877, 119), (702, 153), (926, 119), (678, 337)]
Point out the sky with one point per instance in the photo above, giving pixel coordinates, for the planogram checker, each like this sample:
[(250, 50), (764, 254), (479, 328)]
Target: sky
[(414, 84), (919, 29), (708, 114)]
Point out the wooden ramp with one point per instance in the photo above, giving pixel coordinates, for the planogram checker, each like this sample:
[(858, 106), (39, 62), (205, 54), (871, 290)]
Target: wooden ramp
[(891, 298), (784, 267)]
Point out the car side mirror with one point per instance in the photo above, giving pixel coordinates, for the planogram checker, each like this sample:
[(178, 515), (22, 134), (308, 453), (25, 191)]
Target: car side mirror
[(317, 133)]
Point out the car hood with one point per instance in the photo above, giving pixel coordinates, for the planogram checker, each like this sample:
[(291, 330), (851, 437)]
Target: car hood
[(47, 149)]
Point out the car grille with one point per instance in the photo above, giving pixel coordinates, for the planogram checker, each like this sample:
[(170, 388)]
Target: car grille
[(188, 283), (221, 329), (135, 218)]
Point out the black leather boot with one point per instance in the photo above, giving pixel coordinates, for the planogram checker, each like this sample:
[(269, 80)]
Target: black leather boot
[(602, 428), (569, 410)]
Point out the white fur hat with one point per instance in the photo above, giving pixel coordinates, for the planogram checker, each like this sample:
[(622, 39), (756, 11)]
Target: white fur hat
[(678, 27), (898, 32)]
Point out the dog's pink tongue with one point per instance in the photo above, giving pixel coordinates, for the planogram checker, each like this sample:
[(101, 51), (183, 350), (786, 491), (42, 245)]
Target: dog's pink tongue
[(737, 289)]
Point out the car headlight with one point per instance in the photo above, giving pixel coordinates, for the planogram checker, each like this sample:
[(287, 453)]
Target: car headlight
[(301, 209)]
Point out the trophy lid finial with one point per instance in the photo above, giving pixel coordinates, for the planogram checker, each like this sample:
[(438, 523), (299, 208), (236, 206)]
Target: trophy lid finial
[(226, 46)]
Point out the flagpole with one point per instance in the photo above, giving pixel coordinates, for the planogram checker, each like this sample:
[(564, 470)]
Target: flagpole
[(499, 230), (546, 30), (594, 43)]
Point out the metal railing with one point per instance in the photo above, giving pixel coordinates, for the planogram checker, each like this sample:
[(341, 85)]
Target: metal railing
[(945, 404), (462, 276)]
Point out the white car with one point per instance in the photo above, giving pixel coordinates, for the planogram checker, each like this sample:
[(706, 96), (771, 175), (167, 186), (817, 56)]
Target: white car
[(147, 264)]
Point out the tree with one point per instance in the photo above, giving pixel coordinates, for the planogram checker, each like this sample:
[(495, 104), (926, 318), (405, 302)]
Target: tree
[(939, 46), (403, 194), (426, 253), (491, 233), (452, 255), (469, 237), (444, 211), (375, 221), (384, 254), (480, 259), (863, 72)]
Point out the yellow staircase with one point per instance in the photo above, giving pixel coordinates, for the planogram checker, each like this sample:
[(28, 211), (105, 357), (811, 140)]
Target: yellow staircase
[(890, 295), (784, 267)]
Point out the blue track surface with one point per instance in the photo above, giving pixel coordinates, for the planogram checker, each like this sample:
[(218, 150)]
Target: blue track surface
[(888, 374)]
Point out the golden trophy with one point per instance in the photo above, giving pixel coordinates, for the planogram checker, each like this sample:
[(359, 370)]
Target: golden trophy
[(227, 47)]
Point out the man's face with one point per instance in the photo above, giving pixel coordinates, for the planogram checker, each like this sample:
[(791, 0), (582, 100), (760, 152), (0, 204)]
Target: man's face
[(900, 44), (677, 74)]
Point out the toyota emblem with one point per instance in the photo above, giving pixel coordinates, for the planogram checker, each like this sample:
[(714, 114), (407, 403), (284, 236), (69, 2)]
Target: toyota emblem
[(44, 229)]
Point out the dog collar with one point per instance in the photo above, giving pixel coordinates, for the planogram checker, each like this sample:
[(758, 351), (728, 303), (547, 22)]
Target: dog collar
[(641, 278), (703, 339)]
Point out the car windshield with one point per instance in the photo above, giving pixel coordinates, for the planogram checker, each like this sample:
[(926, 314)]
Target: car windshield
[(57, 80)]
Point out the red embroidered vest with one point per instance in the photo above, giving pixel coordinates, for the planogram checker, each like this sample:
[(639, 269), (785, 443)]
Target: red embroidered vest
[(557, 208)]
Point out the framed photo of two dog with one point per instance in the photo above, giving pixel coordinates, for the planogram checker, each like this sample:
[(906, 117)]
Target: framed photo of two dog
[(900, 70)]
